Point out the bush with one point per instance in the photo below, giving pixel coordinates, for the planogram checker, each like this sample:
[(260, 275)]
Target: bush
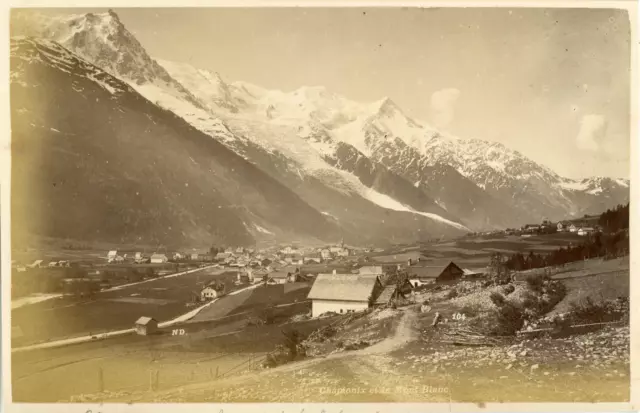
[(278, 357), (535, 282), (510, 320), (452, 294), (508, 289), (470, 310), (597, 312), (556, 291), (357, 345), (497, 299)]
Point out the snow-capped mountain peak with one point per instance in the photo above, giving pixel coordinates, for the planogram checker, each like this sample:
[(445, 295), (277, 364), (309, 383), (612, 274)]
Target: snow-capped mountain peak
[(102, 39)]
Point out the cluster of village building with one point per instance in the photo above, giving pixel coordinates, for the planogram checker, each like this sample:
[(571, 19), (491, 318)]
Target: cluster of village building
[(369, 286), (562, 226), (239, 257), (346, 292)]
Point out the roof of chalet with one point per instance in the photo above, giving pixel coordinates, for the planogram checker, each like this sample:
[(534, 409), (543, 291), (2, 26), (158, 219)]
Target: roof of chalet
[(157, 255), (347, 287), (386, 294), (284, 272), (430, 271), (145, 320), (371, 269)]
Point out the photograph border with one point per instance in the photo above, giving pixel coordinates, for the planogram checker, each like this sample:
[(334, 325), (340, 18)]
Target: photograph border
[(5, 225)]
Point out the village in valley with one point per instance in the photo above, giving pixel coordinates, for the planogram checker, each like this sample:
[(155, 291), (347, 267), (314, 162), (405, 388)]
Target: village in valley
[(558, 282)]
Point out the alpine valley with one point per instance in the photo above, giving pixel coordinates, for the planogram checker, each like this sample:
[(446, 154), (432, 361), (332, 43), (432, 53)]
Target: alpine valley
[(110, 144)]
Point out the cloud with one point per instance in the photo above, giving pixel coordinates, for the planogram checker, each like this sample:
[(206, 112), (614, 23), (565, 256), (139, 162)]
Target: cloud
[(443, 104), (592, 131)]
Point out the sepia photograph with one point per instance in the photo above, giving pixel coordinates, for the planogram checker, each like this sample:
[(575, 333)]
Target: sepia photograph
[(319, 205)]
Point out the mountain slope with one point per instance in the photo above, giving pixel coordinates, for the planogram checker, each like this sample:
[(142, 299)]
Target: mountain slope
[(110, 165), (513, 188), (324, 146), (102, 40)]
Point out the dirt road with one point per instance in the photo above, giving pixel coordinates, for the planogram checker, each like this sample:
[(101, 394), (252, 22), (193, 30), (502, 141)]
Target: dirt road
[(365, 374)]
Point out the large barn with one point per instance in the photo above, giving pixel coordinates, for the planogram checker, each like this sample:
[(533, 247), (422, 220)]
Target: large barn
[(420, 275), (342, 293)]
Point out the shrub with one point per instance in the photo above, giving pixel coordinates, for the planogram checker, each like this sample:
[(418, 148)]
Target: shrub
[(278, 357), (556, 291), (508, 289), (510, 319), (470, 310), (535, 282), (603, 311), (497, 299), (452, 294)]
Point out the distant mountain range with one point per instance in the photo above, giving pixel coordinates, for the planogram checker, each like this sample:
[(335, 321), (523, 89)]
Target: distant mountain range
[(160, 152)]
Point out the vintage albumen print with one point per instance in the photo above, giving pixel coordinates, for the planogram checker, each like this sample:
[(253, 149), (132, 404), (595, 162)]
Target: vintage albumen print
[(231, 205)]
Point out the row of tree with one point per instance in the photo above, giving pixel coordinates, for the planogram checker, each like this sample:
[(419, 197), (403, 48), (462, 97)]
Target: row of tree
[(598, 245), (614, 220)]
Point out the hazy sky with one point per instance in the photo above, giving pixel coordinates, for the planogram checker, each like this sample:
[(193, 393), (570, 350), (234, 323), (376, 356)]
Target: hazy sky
[(551, 83)]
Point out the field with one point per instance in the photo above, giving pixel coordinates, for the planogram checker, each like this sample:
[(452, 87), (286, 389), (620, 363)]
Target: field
[(66, 317), (256, 301), (127, 362), (219, 344), (602, 280), (475, 252)]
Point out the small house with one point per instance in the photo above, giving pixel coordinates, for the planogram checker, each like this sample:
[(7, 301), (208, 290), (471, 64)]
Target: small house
[(221, 256), (471, 274), (343, 252), (146, 326), (35, 264), (293, 259), (341, 293), (289, 251), (585, 231), (313, 258), (159, 258), (325, 253), (111, 255), (573, 228), (208, 293), (284, 275)]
